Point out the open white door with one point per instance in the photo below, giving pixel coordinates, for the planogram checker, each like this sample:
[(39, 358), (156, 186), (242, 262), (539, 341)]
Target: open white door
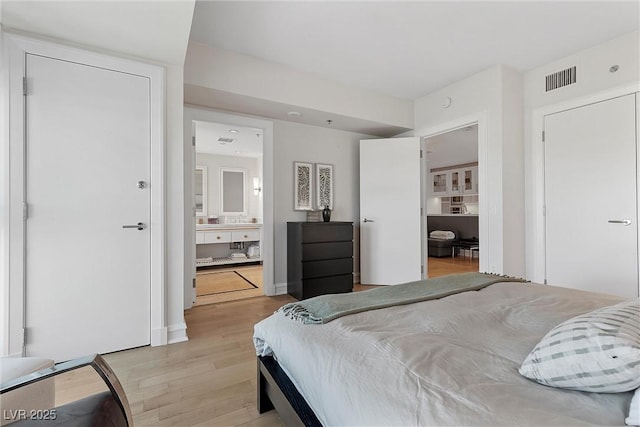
[(390, 220)]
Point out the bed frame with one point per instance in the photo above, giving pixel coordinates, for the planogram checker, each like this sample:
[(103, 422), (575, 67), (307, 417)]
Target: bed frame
[(276, 391)]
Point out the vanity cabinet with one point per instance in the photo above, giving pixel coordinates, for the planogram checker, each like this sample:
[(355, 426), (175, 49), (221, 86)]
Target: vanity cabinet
[(215, 245), (319, 258)]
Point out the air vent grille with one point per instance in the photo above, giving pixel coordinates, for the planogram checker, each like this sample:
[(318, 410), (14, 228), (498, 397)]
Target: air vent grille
[(225, 140), (560, 79)]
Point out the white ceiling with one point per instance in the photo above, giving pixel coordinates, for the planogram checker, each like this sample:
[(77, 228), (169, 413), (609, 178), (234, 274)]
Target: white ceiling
[(154, 30), (409, 49), (247, 142), (457, 147)]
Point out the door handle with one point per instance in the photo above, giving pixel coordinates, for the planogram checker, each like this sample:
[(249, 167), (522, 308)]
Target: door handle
[(620, 221), (367, 220), (139, 226)]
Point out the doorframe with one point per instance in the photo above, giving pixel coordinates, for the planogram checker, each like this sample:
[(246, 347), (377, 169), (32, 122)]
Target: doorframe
[(199, 113), (536, 246), (486, 239), (12, 284)]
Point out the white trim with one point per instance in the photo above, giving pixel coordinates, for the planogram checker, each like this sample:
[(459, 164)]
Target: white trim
[(489, 199), (177, 333), (15, 49), (191, 113), (281, 289), (535, 227)]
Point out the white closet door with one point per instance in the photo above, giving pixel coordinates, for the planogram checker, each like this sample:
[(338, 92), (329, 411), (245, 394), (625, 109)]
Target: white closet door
[(87, 146), (591, 197)]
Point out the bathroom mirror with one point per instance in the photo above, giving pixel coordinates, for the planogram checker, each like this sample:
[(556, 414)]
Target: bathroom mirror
[(200, 190), (233, 191)]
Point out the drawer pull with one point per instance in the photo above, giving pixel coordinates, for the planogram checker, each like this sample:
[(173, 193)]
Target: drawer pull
[(245, 236), (218, 237)]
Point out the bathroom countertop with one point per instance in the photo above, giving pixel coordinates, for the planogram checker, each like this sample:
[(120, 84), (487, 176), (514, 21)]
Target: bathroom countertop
[(223, 226)]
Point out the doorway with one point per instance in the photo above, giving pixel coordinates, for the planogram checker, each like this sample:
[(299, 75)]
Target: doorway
[(229, 212), (452, 201)]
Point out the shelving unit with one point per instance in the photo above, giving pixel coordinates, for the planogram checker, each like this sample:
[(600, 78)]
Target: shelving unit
[(215, 244)]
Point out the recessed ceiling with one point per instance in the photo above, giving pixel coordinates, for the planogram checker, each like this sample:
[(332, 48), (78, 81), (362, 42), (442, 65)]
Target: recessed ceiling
[(457, 147), (409, 49), (213, 138)]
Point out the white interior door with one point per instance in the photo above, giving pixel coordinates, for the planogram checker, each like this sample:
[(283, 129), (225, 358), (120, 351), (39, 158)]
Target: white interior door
[(590, 198), (87, 147), (390, 220)]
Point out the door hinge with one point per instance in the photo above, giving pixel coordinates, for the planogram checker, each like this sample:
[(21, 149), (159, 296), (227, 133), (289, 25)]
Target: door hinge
[(421, 211), (193, 141), (420, 153), (24, 86), (422, 269), (544, 210), (24, 337), (543, 139), (194, 283), (25, 211)]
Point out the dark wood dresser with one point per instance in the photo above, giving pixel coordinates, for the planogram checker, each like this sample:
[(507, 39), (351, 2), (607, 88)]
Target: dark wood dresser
[(319, 258)]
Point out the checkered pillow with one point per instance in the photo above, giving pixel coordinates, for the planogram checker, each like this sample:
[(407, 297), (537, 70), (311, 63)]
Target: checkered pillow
[(598, 351)]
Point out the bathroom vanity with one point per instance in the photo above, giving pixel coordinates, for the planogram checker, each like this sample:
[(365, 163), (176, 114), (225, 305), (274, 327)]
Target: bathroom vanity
[(221, 244)]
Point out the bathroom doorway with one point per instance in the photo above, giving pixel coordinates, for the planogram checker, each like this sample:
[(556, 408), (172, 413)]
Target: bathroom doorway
[(229, 211), (452, 201)]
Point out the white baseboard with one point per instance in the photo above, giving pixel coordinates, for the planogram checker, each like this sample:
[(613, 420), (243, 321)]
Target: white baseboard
[(281, 288), (177, 333)]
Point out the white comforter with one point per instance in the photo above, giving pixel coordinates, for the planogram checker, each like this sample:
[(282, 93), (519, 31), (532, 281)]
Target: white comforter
[(452, 361)]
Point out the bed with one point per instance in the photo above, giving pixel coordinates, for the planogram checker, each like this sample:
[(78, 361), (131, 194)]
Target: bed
[(447, 361)]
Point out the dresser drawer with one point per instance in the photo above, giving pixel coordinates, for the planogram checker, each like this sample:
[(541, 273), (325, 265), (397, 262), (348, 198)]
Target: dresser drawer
[(327, 232), (245, 235), (331, 267), (327, 285), (217, 236), (331, 250), (200, 237)]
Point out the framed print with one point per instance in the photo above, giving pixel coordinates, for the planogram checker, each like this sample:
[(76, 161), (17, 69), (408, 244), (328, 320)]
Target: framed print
[(303, 184), (324, 185)]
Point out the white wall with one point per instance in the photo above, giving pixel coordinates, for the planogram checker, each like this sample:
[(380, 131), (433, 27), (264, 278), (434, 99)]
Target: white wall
[(486, 95), (214, 163), (298, 142), (235, 73), (594, 83)]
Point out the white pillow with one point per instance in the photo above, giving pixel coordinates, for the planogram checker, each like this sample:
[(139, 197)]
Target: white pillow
[(598, 351)]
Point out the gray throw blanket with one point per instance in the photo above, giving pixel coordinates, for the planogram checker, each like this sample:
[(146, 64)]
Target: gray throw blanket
[(325, 308)]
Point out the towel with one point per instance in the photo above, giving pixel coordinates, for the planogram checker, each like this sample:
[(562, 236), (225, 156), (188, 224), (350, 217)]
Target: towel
[(444, 235)]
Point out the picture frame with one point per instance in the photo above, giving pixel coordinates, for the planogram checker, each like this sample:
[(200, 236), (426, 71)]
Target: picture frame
[(303, 186), (324, 185)]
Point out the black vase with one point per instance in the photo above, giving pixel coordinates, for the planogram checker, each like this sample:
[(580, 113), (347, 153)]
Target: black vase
[(326, 214)]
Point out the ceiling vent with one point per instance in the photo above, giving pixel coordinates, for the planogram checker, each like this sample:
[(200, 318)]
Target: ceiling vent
[(225, 140), (561, 78)]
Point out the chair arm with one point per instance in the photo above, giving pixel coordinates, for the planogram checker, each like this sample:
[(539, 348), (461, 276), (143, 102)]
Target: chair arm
[(95, 361)]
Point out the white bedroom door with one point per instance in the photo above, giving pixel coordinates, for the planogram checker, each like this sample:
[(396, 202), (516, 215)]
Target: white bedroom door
[(390, 219), (591, 197), (88, 166)]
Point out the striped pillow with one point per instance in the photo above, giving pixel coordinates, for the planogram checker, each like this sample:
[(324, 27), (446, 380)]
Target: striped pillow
[(598, 351)]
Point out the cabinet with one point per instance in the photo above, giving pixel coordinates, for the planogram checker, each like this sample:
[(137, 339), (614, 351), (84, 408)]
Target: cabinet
[(226, 244), (455, 181), (319, 258)]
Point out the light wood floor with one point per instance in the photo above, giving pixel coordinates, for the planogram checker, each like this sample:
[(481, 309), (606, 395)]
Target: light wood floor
[(209, 380), (252, 272), (447, 265)]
